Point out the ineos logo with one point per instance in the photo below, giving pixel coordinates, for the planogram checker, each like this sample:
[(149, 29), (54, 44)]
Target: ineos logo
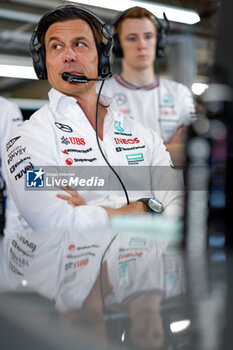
[(63, 127)]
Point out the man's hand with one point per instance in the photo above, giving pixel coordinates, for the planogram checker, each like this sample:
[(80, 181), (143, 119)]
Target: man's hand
[(180, 136), (74, 199), (176, 146)]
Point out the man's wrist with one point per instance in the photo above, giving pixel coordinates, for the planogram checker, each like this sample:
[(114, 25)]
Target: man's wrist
[(153, 206)]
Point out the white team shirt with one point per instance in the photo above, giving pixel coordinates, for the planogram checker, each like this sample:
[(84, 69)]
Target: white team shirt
[(10, 119), (163, 106), (59, 134), (159, 268)]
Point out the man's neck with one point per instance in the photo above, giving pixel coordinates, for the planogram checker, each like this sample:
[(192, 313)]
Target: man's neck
[(138, 78), (88, 105)]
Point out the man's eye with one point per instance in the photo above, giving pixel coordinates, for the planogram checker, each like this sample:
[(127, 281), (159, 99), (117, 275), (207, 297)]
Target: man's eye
[(148, 36), (80, 44), (131, 38), (57, 46)]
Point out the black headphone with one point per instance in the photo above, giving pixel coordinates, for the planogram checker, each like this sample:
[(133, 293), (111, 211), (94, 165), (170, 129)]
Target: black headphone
[(104, 49), (161, 36)]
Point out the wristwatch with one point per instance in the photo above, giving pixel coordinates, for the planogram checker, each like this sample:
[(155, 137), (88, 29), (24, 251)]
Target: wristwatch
[(153, 205)]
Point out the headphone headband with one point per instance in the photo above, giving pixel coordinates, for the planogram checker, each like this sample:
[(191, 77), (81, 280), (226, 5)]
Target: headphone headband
[(104, 49)]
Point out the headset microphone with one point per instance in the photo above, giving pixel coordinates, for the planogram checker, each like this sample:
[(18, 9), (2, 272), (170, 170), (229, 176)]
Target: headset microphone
[(72, 78)]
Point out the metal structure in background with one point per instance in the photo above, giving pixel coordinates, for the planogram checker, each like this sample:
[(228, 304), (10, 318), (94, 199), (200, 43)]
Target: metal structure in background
[(190, 48)]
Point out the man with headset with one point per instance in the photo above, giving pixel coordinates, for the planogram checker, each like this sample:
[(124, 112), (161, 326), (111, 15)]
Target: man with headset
[(71, 48), (162, 105)]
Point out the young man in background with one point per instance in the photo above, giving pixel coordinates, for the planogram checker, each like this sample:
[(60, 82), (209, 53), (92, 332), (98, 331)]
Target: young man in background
[(163, 105)]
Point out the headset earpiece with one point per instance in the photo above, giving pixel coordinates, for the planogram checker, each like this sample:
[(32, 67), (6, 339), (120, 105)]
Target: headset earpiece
[(104, 52), (104, 49), (117, 50), (38, 57)]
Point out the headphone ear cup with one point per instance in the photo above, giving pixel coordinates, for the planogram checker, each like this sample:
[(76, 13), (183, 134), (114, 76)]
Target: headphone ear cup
[(161, 43), (38, 57), (104, 52), (117, 50), (39, 65), (104, 65)]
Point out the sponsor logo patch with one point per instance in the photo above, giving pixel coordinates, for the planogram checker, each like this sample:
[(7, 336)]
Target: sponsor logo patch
[(167, 99), (122, 133), (137, 242), (63, 127), (77, 141), (14, 166), (11, 142), (69, 161), (73, 140), (18, 151), (20, 250), (32, 246), (120, 99), (70, 150), (85, 159), (117, 126), (18, 260), (65, 140), (14, 269), (71, 248), (119, 149), (126, 141), (24, 171), (134, 158)]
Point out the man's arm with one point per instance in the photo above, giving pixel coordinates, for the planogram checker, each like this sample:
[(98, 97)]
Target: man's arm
[(41, 209), (73, 198), (176, 146)]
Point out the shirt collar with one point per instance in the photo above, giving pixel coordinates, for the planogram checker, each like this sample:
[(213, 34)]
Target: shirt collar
[(56, 99), (124, 83), (62, 103)]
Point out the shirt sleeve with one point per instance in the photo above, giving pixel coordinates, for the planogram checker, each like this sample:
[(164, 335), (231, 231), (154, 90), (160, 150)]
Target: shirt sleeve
[(41, 209), (11, 118), (167, 185), (187, 111)]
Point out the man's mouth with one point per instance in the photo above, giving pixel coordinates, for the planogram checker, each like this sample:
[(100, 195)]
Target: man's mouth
[(75, 72)]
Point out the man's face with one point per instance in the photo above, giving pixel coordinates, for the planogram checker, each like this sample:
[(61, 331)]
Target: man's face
[(70, 47), (138, 42)]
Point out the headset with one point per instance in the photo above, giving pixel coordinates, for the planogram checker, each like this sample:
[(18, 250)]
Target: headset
[(162, 32), (104, 49)]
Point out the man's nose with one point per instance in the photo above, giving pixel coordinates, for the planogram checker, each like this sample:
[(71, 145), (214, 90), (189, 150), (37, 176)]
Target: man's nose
[(69, 55), (141, 42)]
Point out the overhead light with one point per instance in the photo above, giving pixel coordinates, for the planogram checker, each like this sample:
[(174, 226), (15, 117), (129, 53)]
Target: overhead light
[(173, 13), (24, 283), (199, 88), (19, 16), (14, 71), (179, 326)]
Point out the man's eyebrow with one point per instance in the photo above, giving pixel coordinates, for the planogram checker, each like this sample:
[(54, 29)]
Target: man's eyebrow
[(53, 38), (77, 38), (150, 32)]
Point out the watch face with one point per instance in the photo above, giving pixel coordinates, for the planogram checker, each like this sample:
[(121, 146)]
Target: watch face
[(155, 205)]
